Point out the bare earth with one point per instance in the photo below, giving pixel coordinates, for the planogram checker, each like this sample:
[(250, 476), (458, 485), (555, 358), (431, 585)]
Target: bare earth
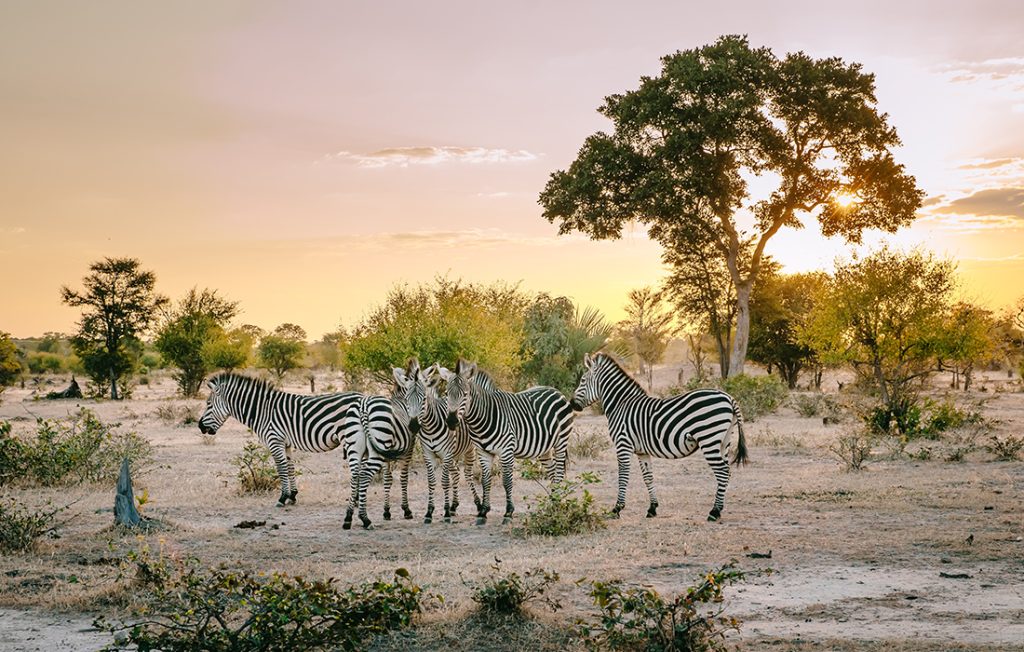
[(856, 557)]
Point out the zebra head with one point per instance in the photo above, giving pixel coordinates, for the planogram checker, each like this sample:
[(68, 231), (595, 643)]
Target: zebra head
[(217, 410), (458, 391), (586, 390), (410, 392)]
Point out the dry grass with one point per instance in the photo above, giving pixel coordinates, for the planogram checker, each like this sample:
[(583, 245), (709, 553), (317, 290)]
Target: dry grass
[(909, 519)]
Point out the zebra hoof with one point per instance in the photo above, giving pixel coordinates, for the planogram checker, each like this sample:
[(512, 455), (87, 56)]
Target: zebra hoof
[(506, 520), (447, 519), (407, 513), (455, 506), (481, 520), (714, 515), (368, 526), (652, 511), (347, 525), (387, 514), (428, 520)]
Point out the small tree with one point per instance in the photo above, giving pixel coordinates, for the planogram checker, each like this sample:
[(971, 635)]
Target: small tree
[(779, 307), (646, 330), (282, 350), (119, 305), (967, 340), (198, 319), (228, 350), (556, 337), (883, 314), (10, 361)]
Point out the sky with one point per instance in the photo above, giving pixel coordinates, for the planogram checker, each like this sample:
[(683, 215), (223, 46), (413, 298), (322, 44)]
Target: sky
[(304, 157)]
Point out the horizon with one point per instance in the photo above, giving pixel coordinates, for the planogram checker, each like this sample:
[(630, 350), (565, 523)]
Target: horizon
[(304, 159)]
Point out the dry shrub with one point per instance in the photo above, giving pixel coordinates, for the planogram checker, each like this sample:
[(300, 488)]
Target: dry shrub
[(589, 445), (507, 594), (20, 527), (257, 473), (1006, 448), (853, 449)]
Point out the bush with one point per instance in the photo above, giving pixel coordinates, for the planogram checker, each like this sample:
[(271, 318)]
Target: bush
[(81, 449), (853, 450), (816, 404), (566, 508), (639, 618), (196, 609), (256, 472), (1007, 448), (756, 395), (40, 363), (20, 527), (913, 419), (13, 456), (589, 445), (507, 595), (179, 415)]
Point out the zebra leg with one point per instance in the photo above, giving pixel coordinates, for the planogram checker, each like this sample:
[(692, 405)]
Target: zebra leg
[(648, 473), (388, 481), (622, 455), (403, 478), (507, 465), (369, 469), (281, 462), (291, 476), (486, 464), (720, 467), (355, 472), (446, 485), (468, 471), (428, 458)]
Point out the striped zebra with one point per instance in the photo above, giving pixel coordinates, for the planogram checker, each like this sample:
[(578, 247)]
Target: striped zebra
[(377, 434), (283, 422), (503, 425), (442, 448), (672, 427)]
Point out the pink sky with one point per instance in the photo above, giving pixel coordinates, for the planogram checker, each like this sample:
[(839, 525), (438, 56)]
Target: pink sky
[(303, 157)]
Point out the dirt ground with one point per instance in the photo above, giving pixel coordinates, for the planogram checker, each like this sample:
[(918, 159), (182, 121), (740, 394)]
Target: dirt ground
[(908, 554)]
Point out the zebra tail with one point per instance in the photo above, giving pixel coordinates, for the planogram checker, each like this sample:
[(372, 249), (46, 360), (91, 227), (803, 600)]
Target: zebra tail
[(741, 441)]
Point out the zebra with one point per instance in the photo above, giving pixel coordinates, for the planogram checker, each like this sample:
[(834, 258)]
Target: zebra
[(531, 424), (672, 427), (283, 422), (377, 433), (441, 447)]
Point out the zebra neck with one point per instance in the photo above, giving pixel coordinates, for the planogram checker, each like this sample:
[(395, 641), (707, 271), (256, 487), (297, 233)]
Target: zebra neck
[(432, 420), (251, 404), (618, 387), (482, 409)]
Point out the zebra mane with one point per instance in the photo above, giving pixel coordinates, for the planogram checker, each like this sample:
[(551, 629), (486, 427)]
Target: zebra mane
[(231, 377), (618, 366), (484, 379)]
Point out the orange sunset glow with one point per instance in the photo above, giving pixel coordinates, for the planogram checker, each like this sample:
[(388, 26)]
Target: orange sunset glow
[(302, 158)]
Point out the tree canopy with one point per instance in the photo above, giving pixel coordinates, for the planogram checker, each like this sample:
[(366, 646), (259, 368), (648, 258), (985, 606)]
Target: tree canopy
[(685, 142), (118, 304), (198, 320), (10, 361)]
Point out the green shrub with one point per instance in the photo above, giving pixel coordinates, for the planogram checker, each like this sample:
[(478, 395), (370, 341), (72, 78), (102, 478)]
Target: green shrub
[(911, 418), (40, 363), (816, 404), (566, 508), (191, 608), (756, 395), (530, 469), (256, 471), (507, 594), (13, 456), (639, 618), (76, 450), (20, 527)]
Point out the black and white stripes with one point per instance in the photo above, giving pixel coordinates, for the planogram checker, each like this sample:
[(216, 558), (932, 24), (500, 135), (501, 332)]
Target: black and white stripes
[(673, 427)]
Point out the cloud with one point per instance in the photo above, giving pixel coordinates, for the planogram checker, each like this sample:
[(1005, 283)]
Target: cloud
[(994, 202), (446, 241), (12, 230), (1002, 78), (406, 156), (988, 164)]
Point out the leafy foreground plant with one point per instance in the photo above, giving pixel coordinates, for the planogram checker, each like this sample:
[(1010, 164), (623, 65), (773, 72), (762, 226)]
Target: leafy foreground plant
[(639, 618), (567, 508), (256, 473), (221, 611), (507, 595), (20, 527)]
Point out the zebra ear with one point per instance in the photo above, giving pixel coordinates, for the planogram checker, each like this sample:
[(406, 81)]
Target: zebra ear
[(470, 370), (587, 361), (414, 366), (399, 375), (445, 374)]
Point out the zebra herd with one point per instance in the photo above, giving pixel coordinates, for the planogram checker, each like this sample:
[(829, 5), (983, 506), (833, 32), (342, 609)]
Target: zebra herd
[(473, 419)]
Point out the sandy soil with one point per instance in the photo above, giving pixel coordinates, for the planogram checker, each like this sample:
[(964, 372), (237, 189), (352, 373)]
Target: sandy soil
[(856, 557)]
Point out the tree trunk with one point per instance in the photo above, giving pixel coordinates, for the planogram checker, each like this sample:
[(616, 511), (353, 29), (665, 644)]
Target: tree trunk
[(742, 339), (113, 385)]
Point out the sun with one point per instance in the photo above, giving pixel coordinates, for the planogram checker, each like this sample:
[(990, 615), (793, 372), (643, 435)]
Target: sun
[(845, 199)]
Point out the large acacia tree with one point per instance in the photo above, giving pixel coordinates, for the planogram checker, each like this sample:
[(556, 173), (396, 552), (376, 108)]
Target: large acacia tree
[(685, 143), (118, 304)]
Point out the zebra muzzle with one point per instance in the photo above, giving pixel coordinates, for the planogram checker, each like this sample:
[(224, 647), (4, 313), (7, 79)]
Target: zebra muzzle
[(414, 425), (452, 420)]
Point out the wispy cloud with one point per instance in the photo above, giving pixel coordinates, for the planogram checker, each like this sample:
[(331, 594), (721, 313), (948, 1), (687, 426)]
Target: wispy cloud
[(12, 230), (444, 241), (407, 156), (993, 202), (1002, 77)]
